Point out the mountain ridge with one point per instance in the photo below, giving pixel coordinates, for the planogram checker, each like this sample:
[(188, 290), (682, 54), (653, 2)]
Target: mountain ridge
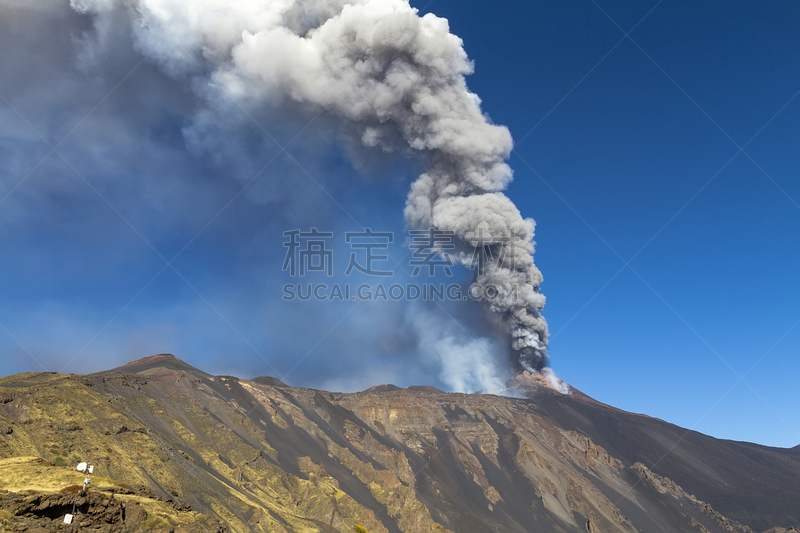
[(165, 361), (261, 456)]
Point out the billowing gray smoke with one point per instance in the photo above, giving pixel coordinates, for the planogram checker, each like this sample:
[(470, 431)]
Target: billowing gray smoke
[(395, 79)]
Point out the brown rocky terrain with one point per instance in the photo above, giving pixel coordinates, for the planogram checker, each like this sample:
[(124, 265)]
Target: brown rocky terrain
[(96, 511), (36, 506), (260, 456)]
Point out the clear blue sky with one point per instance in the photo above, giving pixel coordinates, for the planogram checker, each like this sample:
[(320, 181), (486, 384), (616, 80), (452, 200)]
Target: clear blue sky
[(661, 169)]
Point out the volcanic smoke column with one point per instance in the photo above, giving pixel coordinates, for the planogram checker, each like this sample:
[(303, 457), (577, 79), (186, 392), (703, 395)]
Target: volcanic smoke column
[(508, 279), (392, 79)]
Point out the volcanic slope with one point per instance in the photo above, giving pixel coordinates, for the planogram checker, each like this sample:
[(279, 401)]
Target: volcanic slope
[(36, 496), (261, 456)]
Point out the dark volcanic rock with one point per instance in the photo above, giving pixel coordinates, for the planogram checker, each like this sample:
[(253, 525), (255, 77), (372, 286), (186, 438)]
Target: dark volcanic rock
[(423, 388), (161, 361), (99, 512), (383, 388), (270, 381)]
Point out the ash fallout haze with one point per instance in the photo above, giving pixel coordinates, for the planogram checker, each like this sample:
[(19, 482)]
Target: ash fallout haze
[(322, 191)]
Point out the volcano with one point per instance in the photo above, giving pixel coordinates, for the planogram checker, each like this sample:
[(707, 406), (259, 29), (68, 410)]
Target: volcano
[(257, 455)]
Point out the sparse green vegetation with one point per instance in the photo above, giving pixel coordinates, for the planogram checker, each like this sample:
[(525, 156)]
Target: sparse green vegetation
[(358, 528), (154, 522)]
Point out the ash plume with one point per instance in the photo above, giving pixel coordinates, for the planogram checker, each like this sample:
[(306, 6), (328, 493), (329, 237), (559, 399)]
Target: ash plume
[(393, 79)]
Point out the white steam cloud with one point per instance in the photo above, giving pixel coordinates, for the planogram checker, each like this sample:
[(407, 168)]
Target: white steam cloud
[(392, 78), (468, 365)]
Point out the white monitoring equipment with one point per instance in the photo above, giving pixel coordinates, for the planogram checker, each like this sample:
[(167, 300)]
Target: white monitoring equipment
[(82, 467), (85, 467)]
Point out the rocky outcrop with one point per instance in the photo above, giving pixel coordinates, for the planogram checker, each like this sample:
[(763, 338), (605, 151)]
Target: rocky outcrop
[(91, 510)]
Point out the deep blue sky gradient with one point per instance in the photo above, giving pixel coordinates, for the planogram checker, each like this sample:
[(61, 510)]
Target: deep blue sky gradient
[(626, 151)]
